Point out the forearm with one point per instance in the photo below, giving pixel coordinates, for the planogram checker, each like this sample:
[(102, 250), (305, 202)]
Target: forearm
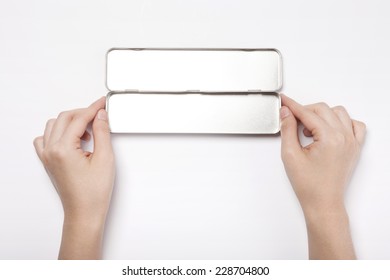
[(329, 234), (81, 238)]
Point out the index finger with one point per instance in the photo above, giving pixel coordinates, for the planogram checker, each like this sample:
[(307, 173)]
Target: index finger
[(80, 121), (308, 118)]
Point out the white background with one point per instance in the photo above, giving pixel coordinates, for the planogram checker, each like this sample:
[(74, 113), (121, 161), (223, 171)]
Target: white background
[(191, 197)]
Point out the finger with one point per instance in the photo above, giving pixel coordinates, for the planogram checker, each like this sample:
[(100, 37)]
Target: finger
[(38, 144), (289, 133), (101, 135), (344, 117), (309, 119), (326, 113), (359, 130), (307, 132), (46, 135), (80, 121), (62, 122)]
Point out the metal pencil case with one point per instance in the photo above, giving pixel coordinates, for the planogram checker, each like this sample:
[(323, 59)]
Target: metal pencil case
[(218, 91)]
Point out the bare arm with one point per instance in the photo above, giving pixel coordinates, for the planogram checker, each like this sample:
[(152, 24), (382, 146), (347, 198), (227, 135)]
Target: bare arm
[(83, 180), (320, 172)]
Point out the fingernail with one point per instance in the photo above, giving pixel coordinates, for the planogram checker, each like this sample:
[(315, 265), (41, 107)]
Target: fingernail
[(284, 112), (102, 115)]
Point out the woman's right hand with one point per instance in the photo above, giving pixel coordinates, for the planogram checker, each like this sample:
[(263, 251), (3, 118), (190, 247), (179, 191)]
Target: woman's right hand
[(320, 171)]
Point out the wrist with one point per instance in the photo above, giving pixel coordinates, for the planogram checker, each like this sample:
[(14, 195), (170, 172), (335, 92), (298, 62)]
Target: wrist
[(323, 206), (81, 237), (329, 234), (325, 216), (88, 221)]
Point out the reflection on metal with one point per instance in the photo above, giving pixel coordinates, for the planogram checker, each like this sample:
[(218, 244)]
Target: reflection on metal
[(194, 90)]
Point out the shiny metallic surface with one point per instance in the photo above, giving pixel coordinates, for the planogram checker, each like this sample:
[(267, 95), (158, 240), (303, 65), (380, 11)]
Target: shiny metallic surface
[(194, 113), (224, 91), (205, 70)]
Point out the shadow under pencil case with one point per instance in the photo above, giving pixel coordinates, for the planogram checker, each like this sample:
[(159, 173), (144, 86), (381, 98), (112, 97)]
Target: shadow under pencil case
[(218, 91)]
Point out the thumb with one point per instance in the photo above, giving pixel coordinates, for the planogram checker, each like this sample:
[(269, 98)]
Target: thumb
[(289, 133), (101, 134)]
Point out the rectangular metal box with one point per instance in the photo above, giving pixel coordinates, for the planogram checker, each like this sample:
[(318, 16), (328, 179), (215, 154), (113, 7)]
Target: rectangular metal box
[(223, 91)]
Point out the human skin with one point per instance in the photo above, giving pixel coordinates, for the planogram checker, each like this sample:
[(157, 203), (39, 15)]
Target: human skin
[(83, 180), (320, 172)]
